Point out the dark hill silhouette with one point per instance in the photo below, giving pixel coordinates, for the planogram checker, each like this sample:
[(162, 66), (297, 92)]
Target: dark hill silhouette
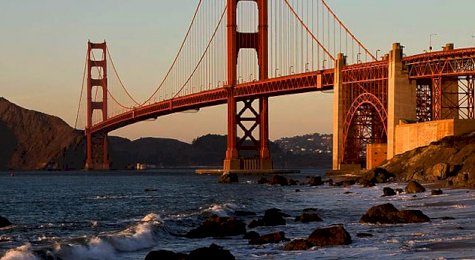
[(31, 140)]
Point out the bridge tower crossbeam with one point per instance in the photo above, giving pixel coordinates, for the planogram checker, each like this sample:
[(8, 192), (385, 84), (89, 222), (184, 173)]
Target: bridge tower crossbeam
[(259, 120)]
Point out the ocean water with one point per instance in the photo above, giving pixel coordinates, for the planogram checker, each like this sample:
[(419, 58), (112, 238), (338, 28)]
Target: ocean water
[(109, 215)]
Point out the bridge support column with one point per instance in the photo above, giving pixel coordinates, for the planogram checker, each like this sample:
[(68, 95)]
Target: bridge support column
[(232, 156), (264, 154), (97, 157), (259, 159), (401, 96), (338, 113)]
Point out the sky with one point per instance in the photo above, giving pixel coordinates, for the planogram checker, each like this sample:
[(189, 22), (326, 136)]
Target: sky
[(43, 45)]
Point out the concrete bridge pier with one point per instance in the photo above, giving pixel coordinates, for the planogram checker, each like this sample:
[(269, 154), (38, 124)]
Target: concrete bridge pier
[(401, 96), (338, 112)]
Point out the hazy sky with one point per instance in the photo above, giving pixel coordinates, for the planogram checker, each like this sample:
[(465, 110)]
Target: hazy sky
[(43, 44)]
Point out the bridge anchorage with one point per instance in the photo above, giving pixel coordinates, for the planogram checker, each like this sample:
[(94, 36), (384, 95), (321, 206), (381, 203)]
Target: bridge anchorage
[(381, 108)]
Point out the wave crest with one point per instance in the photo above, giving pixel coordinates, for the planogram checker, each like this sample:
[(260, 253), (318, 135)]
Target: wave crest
[(23, 252)]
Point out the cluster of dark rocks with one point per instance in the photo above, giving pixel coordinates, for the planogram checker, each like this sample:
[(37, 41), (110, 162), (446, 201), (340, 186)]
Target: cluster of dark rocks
[(411, 187), (282, 181), (219, 227), (277, 180), (388, 214), (334, 235)]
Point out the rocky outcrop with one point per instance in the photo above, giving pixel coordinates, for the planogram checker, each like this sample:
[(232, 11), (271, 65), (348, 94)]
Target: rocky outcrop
[(330, 236), (272, 217), (268, 238), (451, 159), (4, 222), (414, 187), (388, 214), (216, 226), (228, 178)]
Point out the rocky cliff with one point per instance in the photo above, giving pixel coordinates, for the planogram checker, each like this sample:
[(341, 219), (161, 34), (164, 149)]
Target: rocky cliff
[(450, 160)]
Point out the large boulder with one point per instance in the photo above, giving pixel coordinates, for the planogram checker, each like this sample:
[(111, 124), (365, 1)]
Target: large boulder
[(216, 226), (4, 222), (165, 254), (306, 217), (414, 187), (315, 181), (228, 178), (272, 217), (213, 252), (298, 244), (279, 180), (268, 238), (330, 236), (388, 214)]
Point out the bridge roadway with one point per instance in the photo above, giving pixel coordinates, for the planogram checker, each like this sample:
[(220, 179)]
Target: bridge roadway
[(459, 62)]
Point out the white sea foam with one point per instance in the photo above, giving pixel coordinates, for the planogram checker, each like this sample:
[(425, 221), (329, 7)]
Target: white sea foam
[(221, 210), (140, 236), (23, 252), (96, 248)]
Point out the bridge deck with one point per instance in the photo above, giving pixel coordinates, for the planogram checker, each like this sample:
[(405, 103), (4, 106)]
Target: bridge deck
[(442, 63)]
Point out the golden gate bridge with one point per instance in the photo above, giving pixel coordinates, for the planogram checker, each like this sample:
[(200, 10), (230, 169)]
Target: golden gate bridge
[(242, 52)]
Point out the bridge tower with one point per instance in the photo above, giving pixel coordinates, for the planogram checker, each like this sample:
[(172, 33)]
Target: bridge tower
[(259, 117), (96, 144)]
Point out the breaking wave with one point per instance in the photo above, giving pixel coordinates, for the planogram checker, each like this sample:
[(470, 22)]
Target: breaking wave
[(142, 235)]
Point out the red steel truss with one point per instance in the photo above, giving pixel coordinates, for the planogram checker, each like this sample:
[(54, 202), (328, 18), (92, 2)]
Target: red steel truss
[(364, 93), (444, 83), (423, 101)]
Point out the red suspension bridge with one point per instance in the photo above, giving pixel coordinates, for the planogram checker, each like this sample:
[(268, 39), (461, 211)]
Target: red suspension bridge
[(241, 52)]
